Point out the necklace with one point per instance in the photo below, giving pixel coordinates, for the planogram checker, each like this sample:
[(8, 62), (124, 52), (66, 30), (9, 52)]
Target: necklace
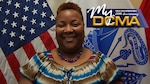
[(69, 60)]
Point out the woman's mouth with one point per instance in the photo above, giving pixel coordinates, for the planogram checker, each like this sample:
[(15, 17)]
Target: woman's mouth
[(69, 39)]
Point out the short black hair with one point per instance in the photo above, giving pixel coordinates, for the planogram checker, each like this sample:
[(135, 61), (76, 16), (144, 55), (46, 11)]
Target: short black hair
[(69, 5)]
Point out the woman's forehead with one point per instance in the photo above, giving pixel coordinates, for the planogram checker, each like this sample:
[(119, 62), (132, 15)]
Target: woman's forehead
[(68, 14)]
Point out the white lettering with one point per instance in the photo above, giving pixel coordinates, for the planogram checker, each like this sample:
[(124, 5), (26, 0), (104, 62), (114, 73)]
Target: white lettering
[(102, 10)]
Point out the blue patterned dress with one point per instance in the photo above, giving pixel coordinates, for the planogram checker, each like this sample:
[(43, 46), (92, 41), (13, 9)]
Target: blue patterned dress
[(42, 69)]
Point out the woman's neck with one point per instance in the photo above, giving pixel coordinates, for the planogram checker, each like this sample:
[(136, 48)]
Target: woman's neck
[(86, 54), (70, 54)]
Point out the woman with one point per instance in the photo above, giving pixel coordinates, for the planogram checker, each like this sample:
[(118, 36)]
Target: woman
[(70, 63)]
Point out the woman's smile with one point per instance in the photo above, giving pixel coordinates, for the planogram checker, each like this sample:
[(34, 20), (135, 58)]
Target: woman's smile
[(70, 30), (69, 39)]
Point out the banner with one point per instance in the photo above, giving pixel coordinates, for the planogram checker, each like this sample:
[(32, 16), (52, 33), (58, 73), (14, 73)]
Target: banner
[(126, 46)]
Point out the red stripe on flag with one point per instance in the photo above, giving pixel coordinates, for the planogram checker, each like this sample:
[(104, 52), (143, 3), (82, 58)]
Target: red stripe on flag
[(29, 49), (2, 78), (14, 64), (146, 12), (47, 40)]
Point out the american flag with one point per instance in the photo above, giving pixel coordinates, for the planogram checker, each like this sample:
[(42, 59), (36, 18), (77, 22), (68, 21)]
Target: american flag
[(25, 28)]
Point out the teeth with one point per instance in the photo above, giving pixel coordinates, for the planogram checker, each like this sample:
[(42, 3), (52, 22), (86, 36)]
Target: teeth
[(69, 38)]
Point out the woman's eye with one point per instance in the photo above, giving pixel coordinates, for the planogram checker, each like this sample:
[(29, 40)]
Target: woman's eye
[(75, 24), (60, 25)]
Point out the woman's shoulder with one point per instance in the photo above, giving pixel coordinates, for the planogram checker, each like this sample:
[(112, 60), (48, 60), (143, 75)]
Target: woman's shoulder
[(107, 66), (98, 60), (103, 61), (40, 58), (43, 55), (101, 65), (99, 56), (36, 64)]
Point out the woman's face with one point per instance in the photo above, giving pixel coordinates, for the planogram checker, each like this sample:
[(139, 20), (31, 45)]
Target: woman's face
[(69, 30)]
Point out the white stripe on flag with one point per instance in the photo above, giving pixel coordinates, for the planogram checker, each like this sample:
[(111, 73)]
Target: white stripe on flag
[(38, 45), (5, 68), (52, 32), (20, 54)]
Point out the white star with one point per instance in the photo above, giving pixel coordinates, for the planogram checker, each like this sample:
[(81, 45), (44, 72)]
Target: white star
[(23, 28), (4, 31), (32, 31), (0, 8), (17, 5), (44, 4), (33, 21), (14, 24), (36, 2), (42, 24), (26, 8), (34, 11), (11, 44), (1, 0), (43, 14), (12, 34), (24, 18), (22, 37), (52, 17), (27, 0), (7, 12), (5, 21), (15, 14), (9, 2)]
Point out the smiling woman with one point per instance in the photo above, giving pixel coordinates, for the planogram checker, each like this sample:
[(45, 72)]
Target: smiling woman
[(70, 62), (69, 31)]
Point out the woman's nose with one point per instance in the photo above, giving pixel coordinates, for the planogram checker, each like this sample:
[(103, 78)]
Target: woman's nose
[(68, 28)]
